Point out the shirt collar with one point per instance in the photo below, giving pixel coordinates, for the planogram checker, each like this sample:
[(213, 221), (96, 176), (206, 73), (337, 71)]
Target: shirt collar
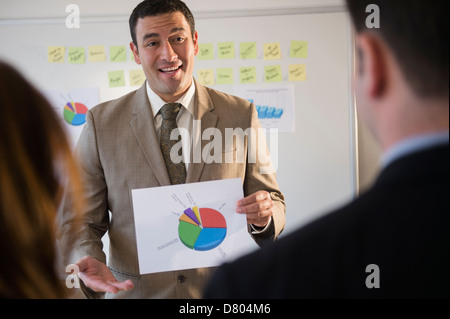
[(156, 102), (412, 145)]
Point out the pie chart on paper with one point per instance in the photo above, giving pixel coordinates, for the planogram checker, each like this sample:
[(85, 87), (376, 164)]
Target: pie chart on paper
[(202, 229), (75, 113)]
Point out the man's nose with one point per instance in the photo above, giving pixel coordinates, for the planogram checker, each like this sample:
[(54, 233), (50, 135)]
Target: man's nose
[(168, 54)]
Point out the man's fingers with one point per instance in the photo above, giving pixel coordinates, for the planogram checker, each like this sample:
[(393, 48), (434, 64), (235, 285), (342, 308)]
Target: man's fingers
[(259, 215), (255, 207), (256, 197), (124, 285), (99, 285)]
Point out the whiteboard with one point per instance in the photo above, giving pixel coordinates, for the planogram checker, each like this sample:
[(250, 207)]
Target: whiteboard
[(317, 166)]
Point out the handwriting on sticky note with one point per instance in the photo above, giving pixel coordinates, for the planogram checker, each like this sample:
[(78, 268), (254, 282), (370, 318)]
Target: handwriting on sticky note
[(299, 49), (272, 51), (206, 51), (206, 76), (225, 76), (76, 55), (248, 50), (247, 75), (118, 53), (225, 50), (137, 77), (97, 53), (56, 54), (297, 72), (273, 73), (116, 79)]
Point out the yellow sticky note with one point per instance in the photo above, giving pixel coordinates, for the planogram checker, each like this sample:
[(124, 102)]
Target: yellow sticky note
[(118, 53), (56, 54), (297, 72), (225, 50), (116, 79), (206, 51), (76, 55), (299, 49), (137, 77), (206, 76), (247, 75), (248, 50), (225, 76), (273, 73), (272, 51), (97, 53)]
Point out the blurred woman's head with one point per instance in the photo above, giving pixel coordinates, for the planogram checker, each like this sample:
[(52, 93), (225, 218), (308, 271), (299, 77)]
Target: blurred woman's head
[(36, 164)]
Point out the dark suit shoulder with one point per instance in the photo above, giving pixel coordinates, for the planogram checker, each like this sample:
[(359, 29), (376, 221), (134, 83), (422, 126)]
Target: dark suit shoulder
[(402, 227)]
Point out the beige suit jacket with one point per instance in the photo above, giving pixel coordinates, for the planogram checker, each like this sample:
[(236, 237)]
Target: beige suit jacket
[(119, 151)]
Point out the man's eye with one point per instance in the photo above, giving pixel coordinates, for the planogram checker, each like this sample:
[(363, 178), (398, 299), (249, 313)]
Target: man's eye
[(151, 44), (179, 39)]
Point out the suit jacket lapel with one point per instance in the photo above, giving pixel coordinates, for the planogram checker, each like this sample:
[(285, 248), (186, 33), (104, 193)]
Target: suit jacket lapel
[(202, 112), (144, 129)]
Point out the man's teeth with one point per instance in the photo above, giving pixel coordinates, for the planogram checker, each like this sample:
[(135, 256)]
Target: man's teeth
[(170, 69)]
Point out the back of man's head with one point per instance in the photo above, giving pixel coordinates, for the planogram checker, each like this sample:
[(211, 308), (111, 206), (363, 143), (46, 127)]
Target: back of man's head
[(417, 32)]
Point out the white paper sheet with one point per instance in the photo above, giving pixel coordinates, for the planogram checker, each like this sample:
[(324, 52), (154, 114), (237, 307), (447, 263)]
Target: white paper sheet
[(180, 226)]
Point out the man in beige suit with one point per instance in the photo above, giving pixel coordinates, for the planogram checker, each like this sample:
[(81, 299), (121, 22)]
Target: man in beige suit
[(119, 151)]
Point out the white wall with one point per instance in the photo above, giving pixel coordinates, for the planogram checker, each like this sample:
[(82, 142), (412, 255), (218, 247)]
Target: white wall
[(34, 9)]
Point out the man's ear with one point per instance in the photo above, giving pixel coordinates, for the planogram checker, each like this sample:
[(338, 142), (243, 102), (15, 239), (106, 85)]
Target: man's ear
[(371, 64), (135, 51), (195, 39)]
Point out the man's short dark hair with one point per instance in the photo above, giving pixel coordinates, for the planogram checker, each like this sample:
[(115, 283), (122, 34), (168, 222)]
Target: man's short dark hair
[(157, 7), (417, 33)]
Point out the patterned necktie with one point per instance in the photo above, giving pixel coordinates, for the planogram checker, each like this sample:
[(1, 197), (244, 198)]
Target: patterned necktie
[(177, 172)]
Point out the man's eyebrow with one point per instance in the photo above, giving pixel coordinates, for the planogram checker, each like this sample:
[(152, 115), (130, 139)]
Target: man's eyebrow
[(156, 35), (150, 35), (177, 29)]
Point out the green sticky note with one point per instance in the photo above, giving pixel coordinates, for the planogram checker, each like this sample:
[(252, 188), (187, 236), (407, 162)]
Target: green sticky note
[(299, 49), (225, 50), (206, 51), (273, 73), (247, 75), (116, 79), (225, 76), (77, 55), (248, 50), (118, 53)]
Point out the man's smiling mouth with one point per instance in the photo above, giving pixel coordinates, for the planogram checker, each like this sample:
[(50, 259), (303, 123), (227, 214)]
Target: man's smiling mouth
[(170, 69)]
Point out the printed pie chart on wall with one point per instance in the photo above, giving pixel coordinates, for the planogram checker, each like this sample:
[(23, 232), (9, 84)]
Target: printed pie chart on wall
[(75, 113)]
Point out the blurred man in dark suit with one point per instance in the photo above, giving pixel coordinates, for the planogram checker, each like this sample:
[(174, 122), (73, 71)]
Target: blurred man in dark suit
[(393, 241)]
